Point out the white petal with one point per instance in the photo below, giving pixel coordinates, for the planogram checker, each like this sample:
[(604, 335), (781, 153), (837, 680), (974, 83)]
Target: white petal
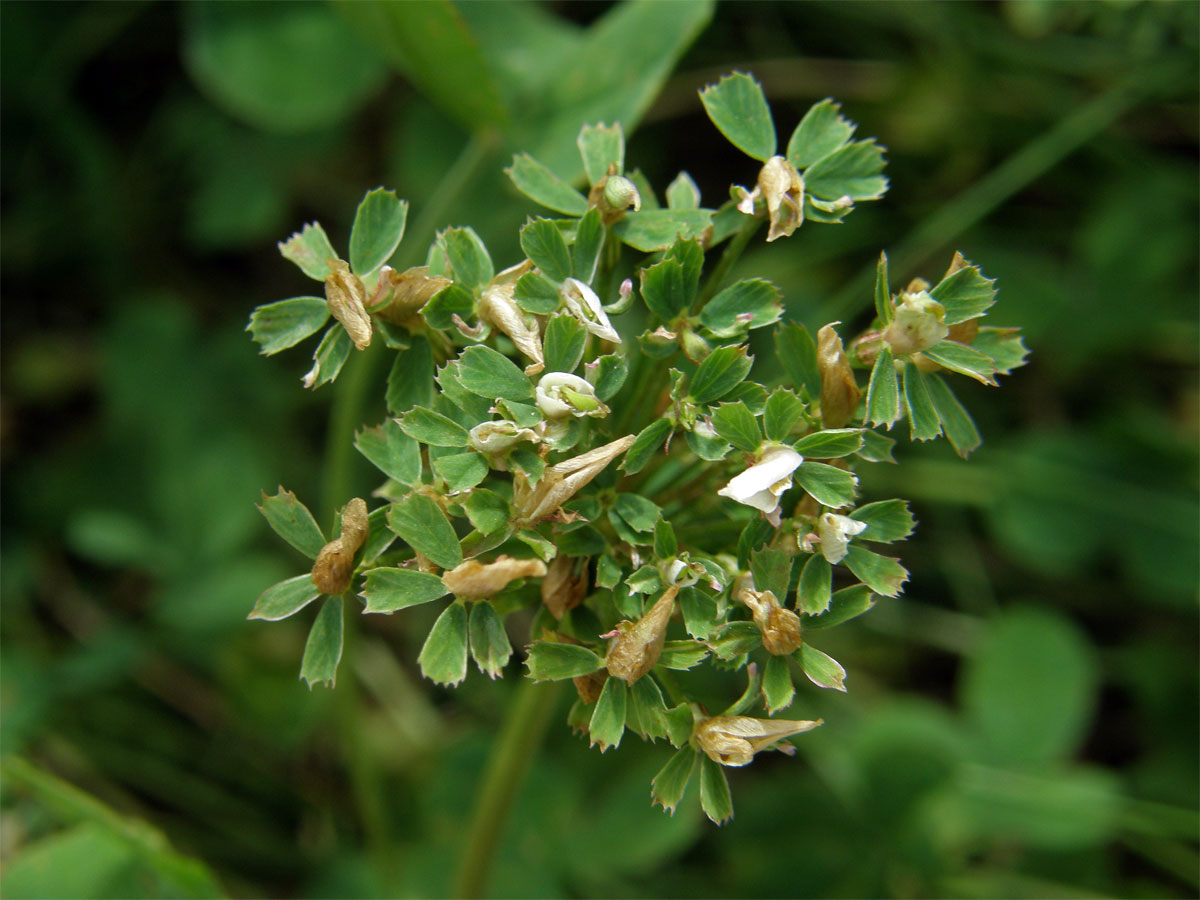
[(835, 532)]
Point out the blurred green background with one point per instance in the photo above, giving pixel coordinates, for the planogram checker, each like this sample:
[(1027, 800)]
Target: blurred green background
[(1023, 723)]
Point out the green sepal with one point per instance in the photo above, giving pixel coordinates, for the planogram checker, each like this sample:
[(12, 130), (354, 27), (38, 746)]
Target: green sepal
[(432, 428), (960, 429), (670, 784), (797, 353), (645, 446), (542, 186), (421, 523), (543, 243), (821, 668), (887, 521), (744, 305), (390, 450), (846, 604), (737, 106), (723, 370), (830, 485), (490, 647), (331, 354), (378, 228), (563, 343), (854, 170), (601, 146), (608, 718), (291, 520), (882, 574), (551, 661), (492, 375), (323, 649), (923, 421), (777, 688), (453, 300), (461, 471), (443, 658), (487, 511), (410, 381), (284, 599), (468, 257), (736, 424), (883, 396), (822, 131), (714, 791), (388, 589), (657, 229), (277, 326), (833, 443), (309, 248), (815, 590), (781, 413)]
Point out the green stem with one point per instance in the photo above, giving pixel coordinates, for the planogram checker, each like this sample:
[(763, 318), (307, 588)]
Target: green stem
[(520, 737), (733, 251)]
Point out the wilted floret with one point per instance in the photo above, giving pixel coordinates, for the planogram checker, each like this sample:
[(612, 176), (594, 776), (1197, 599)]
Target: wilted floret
[(733, 740)]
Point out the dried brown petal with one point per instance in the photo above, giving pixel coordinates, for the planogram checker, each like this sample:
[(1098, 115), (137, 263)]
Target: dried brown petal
[(334, 567), (637, 646), (839, 388), (733, 740), (400, 295), (780, 627), (346, 296), (474, 580), (563, 588), (561, 481)]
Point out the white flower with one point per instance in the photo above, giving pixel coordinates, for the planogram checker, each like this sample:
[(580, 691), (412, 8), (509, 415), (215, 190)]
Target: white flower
[(584, 305), (918, 324), (764, 483), (560, 394), (835, 532), (499, 436)]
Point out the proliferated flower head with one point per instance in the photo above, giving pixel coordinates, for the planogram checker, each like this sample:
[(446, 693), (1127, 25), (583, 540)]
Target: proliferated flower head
[(918, 324), (399, 296), (835, 532), (765, 482), (585, 306), (782, 189), (560, 394), (733, 740)]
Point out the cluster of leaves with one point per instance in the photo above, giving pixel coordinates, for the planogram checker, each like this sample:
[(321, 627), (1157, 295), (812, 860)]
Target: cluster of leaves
[(503, 486)]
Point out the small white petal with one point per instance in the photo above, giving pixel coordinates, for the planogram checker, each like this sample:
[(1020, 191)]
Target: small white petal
[(835, 532), (761, 485), (585, 306)]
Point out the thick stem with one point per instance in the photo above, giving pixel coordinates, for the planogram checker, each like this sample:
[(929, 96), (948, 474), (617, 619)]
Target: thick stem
[(514, 750)]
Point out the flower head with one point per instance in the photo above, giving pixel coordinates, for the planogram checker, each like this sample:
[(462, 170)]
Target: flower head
[(839, 388), (475, 580), (498, 436), (782, 189), (835, 532), (561, 481), (780, 627), (498, 306), (733, 740), (765, 482), (918, 324)]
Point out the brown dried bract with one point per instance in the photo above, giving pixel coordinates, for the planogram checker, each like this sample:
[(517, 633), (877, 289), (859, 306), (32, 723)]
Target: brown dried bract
[(334, 567)]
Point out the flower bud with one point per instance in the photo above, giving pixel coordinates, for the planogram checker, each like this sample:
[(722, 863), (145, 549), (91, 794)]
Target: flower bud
[(733, 740), (917, 324), (560, 394), (346, 297), (334, 567), (399, 296), (839, 388), (835, 532), (585, 306), (780, 627), (636, 647), (474, 580), (620, 193), (563, 588), (493, 438)]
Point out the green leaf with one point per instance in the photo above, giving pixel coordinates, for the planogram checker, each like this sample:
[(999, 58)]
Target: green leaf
[(736, 424), (777, 688), (391, 451), (607, 375), (883, 395), (814, 593), (923, 421), (1029, 689), (755, 534), (737, 106), (822, 130), (323, 650), (671, 782), (432, 45), (663, 289), (657, 229), (733, 640), (379, 536), (542, 186), (645, 446), (564, 342), (666, 545), (461, 471), (877, 447), (772, 571), (821, 668), (581, 540), (833, 443), (589, 242), (330, 356), (487, 511), (468, 257), (443, 658), (781, 413), (422, 524), (882, 574), (601, 146), (682, 193), (699, 612), (647, 713), (854, 170), (608, 573), (277, 326), (797, 353), (608, 719), (410, 382), (961, 432), (1004, 346), (710, 449), (965, 360), (378, 227), (543, 243), (638, 512), (285, 68), (887, 521), (846, 604), (747, 304), (549, 661), (291, 520), (714, 791), (540, 545), (490, 647), (537, 294), (528, 463), (492, 375), (967, 294), (432, 428), (388, 589), (447, 303), (282, 600), (309, 248), (883, 297), (830, 485), (683, 655), (722, 370)]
